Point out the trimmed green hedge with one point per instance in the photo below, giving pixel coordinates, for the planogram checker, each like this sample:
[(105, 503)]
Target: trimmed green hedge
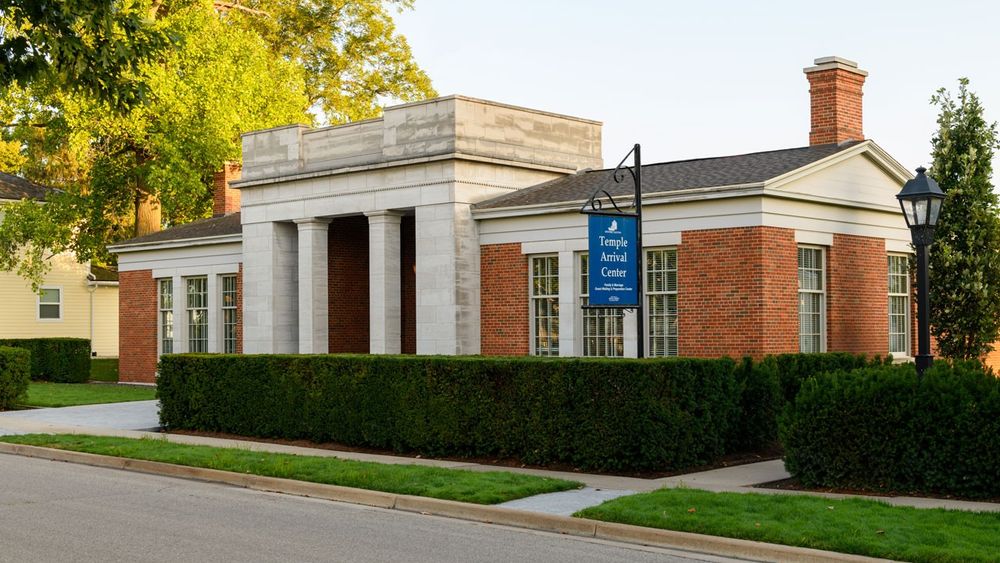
[(61, 360), (884, 428), (15, 371), (768, 386), (616, 414)]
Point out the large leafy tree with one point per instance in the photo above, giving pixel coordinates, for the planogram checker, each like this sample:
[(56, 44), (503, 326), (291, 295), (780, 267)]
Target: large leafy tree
[(236, 67), (92, 46), (125, 173), (965, 256)]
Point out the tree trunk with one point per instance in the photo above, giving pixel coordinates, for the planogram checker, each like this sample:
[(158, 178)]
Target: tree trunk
[(147, 211)]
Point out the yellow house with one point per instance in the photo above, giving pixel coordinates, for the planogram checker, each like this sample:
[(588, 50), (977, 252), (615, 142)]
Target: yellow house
[(76, 300)]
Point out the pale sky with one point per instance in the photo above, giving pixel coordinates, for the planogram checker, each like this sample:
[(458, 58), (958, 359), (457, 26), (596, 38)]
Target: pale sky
[(697, 79)]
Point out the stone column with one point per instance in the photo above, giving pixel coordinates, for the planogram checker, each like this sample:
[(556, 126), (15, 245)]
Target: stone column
[(384, 284), (270, 288), (447, 279), (314, 300)]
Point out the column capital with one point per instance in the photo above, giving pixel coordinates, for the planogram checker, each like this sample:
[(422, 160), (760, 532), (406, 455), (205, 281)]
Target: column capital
[(384, 216), (313, 223)]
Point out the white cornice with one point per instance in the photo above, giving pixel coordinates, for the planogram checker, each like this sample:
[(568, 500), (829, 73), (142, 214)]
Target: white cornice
[(176, 243)]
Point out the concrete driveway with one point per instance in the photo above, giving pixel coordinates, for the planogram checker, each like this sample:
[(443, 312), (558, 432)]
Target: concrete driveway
[(135, 415)]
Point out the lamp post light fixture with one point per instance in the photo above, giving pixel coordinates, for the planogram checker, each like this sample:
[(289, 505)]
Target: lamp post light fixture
[(921, 200)]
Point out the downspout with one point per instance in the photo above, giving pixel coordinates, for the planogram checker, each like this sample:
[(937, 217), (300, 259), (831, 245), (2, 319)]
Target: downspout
[(91, 288)]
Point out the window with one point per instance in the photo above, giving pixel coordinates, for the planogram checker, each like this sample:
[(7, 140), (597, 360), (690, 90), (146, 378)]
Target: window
[(603, 329), (50, 304), (545, 305), (166, 308), (197, 314), (899, 304), (812, 300), (661, 301), (228, 314)]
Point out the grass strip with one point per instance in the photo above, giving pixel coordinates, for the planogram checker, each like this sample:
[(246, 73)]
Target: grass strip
[(489, 487), (104, 369), (44, 394), (857, 526)]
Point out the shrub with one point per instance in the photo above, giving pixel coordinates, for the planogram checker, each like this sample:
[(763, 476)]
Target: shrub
[(61, 360), (616, 414), (15, 371), (793, 369), (760, 403), (884, 428)]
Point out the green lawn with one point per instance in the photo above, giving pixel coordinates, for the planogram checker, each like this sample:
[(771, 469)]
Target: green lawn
[(490, 487), (104, 369), (856, 526), (42, 394)]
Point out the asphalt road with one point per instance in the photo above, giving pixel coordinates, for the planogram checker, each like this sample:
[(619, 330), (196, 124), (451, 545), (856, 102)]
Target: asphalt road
[(53, 511)]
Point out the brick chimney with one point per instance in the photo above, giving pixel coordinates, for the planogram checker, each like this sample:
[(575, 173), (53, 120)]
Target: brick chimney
[(225, 200), (835, 97)]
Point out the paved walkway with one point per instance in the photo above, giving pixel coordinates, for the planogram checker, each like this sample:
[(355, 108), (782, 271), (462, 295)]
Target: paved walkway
[(136, 419)]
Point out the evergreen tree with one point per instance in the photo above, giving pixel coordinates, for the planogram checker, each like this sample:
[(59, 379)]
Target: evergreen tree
[(965, 256)]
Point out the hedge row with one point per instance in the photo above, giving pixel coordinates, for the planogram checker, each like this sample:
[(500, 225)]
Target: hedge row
[(61, 360), (885, 428), (15, 370), (591, 413), (768, 386)]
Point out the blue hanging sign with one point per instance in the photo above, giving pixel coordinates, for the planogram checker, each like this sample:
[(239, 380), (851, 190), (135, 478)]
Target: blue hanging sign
[(614, 261)]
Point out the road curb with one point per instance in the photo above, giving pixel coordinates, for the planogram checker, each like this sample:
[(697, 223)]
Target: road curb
[(452, 509)]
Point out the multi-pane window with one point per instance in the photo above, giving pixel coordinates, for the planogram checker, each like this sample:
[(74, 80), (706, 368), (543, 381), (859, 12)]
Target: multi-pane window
[(545, 305), (661, 301), (197, 313), (812, 300), (228, 306), (603, 329), (166, 314), (50, 304), (899, 304)]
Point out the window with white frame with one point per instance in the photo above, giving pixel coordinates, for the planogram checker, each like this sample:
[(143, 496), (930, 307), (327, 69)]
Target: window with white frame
[(197, 313), (228, 316), (166, 313), (603, 329), (812, 299), (661, 301), (899, 304), (50, 304), (545, 305)]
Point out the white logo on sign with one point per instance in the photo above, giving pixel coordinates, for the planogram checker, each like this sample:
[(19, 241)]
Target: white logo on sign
[(614, 226)]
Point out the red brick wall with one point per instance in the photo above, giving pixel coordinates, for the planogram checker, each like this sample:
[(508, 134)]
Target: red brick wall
[(737, 292), (835, 111), (348, 285), (137, 327), (504, 320), (224, 199), (857, 295), (408, 280)]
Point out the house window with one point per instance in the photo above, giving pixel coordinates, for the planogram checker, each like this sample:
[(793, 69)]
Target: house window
[(50, 304), (545, 305), (228, 305), (166, 313), (603, 329), (812, 300), (197, 313), (661, 301), (899, 304)]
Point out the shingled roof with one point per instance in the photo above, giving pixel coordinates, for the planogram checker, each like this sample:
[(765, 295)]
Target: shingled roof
[(214, 227), (668, 177), (14, 187)]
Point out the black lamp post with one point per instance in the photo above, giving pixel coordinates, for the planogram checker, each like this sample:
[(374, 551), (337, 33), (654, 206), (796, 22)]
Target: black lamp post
[(921, 200)]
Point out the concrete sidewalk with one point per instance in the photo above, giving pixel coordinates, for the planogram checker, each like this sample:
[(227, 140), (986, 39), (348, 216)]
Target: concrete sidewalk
[(133, 420)]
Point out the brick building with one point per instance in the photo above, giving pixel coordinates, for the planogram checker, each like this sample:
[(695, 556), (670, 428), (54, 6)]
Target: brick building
[(452, 226)]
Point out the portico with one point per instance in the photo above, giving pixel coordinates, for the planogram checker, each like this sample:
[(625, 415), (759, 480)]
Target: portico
[(412, 177)]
